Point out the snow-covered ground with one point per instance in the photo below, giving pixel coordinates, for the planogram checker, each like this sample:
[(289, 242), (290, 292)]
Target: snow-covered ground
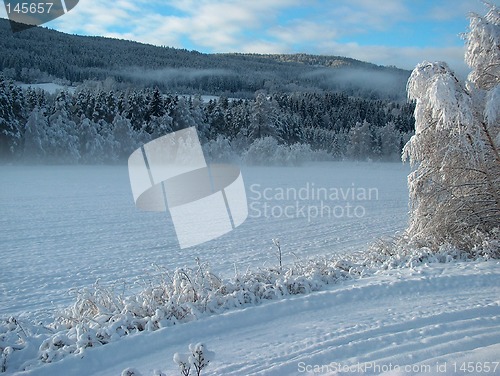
[(437, 319), (64, 227)]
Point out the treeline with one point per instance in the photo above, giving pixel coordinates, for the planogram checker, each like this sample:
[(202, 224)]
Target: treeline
[(97, 126), (40, 55)]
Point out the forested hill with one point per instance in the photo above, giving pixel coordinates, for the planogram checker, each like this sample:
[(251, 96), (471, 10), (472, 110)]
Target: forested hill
[(40, 54)]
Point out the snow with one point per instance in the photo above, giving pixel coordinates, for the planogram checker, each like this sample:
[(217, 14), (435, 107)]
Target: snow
[(436, 315), (64, 227)]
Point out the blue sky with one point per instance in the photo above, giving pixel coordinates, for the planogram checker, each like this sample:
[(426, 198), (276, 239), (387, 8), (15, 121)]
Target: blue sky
[(387, 32)]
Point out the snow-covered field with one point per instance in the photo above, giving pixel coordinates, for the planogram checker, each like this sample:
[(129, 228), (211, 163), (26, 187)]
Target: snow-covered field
[(64, 227)]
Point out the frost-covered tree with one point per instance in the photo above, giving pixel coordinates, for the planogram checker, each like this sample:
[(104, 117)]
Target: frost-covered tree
[(198, 115), (156, 106), (9, 125), (291, 129), (123, 135), (360, 141), (262, 119), (455, 182), (62, 135), (134, 110), (159, 126), (389, 139), (219, 150), (216, 119), (91, 142), (35, 135), (182, 115)]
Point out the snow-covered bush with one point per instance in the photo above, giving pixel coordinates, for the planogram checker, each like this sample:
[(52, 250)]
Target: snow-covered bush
[(219, 150), (267, 151), (182, 361), (262, 151), (19, 339), (198, 359), (100, 315)]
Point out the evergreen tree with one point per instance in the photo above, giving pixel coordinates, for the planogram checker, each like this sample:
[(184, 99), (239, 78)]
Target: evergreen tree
[(182, 115), (134, 110), (123, 135), (9, 126), (62, 135), (35, 136), (111, 107), (390, 142), (156, 107), (360, 141), (216, 119), (159, 126), (262, 118), (91, 143)]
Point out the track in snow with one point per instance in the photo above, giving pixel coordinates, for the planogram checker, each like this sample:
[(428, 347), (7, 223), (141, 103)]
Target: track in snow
[(438, 315)]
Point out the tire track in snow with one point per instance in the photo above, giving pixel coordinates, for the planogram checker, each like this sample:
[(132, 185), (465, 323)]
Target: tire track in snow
[(473, 322), (401, 317)]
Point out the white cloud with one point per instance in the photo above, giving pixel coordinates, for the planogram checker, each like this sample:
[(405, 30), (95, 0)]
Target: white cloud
[(403, 57), (222, 26), (367, 15), (457, 9), (97, 17), (302, 31)]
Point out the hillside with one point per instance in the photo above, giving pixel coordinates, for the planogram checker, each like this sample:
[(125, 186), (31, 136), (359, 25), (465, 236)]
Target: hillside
[(40, 54)]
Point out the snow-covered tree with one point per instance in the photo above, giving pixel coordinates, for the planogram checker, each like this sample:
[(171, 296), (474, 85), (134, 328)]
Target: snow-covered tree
[(62, 135), (291, 129), (123, 135), (262, 119), (182, 115), (197, 112), (455, 183), (35, 135), (91, 142), (360, 141), (216, 117), (156, 106), (9, 125), (219, 150), (159, 126), (134, 110), (389, 139)]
